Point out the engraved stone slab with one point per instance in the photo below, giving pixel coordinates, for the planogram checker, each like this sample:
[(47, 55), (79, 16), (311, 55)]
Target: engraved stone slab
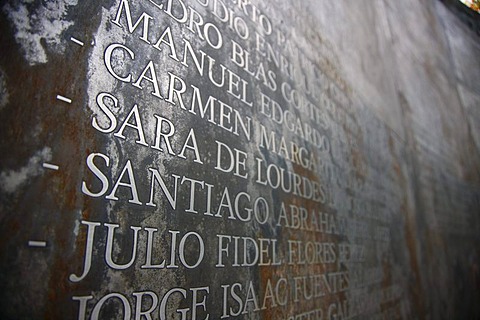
[(217, 159)]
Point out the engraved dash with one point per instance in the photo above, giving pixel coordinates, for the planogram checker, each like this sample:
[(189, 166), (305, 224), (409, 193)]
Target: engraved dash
[(37, 244), (64, 99), (75, 40), (50, 166)]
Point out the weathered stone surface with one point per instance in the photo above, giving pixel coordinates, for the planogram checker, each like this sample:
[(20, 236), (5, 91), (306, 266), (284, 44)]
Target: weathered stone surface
[(294, 160)]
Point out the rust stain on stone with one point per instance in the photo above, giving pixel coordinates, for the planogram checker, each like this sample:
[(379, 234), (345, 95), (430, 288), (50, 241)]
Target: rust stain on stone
[(36, 118), (414, 285)]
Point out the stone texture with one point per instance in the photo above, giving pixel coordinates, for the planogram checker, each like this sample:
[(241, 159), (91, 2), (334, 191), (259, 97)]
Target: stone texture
[(391, 88)]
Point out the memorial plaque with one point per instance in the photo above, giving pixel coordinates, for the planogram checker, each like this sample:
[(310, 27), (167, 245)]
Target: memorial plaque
[(207, 159)]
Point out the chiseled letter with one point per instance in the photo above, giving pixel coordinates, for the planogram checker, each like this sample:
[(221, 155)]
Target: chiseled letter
[(88, 252), (136, 126), (97, 172), (130, 184), (108, 60), (131, 27), (109, 247), (193, 146), (111, 117)]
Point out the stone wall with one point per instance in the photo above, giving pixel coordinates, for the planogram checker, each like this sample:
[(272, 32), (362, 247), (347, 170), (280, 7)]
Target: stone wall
[(173, 159)]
